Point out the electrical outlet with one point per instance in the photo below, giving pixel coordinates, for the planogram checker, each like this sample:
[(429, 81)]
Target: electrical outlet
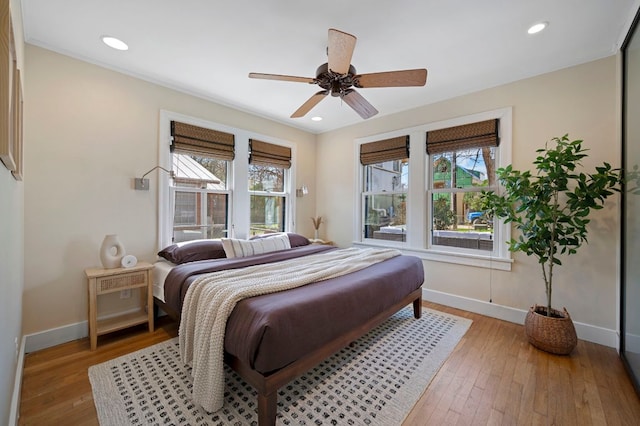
[(125, 294)]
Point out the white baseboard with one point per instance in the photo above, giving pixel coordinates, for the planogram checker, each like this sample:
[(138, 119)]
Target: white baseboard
[(14, 412), (590, 333), (56, 336), (632, 342), (66, 333)]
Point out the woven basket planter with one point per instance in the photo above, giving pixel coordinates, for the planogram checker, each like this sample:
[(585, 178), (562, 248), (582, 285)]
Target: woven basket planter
[(555, 334)]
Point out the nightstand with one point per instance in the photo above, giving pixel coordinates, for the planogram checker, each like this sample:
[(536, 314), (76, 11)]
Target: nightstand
[(103, 281)]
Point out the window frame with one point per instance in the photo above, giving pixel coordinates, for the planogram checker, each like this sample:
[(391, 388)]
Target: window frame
[(285, 194), (419, 220), (202, 194), (430, 191), (366, 193), (237, 178)]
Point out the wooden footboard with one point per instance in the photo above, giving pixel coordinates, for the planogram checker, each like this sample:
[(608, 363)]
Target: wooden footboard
[(267, 385)]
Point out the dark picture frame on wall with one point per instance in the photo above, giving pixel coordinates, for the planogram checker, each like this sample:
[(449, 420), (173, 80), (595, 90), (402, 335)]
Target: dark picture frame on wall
[(10, 96), (17, 149)]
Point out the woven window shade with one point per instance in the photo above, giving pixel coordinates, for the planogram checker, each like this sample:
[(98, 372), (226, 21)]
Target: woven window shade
[(473, 135), (385, 150), (194, 140), (268, 154)]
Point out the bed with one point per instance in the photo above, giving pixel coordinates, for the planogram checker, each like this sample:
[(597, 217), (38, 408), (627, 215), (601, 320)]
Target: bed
[(272, 338)]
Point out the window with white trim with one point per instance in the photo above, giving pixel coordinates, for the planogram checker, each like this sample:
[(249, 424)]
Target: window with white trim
[(216, 192), (461, 163), (268, 171), (385, 184), (442, 221), (199, 193)]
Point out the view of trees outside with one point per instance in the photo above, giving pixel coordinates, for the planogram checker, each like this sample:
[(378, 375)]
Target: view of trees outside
[(267, 207), (456, 180)]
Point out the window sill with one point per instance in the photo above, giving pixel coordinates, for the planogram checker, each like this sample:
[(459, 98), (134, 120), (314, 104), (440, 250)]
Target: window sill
[(467, 259)]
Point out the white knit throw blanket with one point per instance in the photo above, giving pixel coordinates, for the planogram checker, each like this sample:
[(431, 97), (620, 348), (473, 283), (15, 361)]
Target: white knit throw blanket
[(211, 298)]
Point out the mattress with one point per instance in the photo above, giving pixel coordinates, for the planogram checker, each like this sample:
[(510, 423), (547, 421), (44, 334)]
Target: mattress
[(271, 331), (160, 271)]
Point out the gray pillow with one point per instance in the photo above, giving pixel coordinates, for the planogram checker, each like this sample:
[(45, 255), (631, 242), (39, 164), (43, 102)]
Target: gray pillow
[(190, 251)]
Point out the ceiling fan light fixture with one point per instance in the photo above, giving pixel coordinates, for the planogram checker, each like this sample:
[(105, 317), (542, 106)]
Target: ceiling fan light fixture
[(338, 78), (316, 118), (537, 27), (114, 43)]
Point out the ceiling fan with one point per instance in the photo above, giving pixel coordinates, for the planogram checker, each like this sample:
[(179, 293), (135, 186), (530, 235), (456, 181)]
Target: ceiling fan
[(338, 77)]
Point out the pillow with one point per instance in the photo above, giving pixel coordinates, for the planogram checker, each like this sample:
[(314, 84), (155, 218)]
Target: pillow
[(190, 251), (244, 248), (296, 240)]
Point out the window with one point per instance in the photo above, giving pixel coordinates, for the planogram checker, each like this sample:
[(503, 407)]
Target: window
[(268, 168), (385, 185), (431, 208), (461, 164), (217, 191), (199, 193)]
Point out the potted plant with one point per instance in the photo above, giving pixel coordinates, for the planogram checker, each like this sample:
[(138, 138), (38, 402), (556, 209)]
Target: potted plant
[(551, 210)]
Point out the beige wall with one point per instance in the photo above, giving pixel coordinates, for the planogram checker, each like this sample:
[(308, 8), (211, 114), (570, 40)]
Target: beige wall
[(581, 101), (90, 131), (11, 257)]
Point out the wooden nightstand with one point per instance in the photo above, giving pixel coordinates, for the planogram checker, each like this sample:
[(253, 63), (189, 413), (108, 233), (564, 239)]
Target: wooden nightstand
[(103, 281)]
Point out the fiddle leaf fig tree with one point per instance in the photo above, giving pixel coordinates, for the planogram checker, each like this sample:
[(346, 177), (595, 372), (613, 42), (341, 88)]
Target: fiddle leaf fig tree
[(551, 207)]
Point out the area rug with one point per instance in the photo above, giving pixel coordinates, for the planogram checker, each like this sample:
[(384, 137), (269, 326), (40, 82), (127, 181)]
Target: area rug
[(374, 381)]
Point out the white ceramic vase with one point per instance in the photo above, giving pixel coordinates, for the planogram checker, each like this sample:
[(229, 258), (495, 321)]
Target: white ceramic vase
[(111, 252)]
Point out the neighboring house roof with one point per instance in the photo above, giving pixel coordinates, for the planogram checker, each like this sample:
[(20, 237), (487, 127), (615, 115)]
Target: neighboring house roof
[(477, 174), (191, 172)]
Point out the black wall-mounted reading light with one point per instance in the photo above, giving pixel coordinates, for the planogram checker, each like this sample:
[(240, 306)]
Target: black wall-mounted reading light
[(143, 184)]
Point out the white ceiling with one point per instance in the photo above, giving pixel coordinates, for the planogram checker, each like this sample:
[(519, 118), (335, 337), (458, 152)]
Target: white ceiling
[(207, 48)]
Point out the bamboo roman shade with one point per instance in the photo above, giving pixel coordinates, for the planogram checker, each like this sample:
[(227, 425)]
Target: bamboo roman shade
[(194, 140), (385, 150), (268, 154), (473, 135)]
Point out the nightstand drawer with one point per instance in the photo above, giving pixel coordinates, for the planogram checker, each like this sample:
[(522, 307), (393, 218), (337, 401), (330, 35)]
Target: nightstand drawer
[(124, 281)]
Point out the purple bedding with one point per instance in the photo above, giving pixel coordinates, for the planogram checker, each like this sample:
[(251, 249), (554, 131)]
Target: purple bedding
[(270, 331)]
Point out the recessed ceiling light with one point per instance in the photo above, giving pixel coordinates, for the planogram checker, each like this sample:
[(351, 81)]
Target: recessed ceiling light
[(115, 43), (536, 28), (316, 118)]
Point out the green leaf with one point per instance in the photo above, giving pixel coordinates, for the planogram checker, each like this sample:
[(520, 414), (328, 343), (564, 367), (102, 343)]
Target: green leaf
[(549, 205)]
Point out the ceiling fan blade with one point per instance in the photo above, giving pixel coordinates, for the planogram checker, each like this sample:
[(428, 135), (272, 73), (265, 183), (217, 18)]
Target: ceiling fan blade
[(417, 77), (282, 77), (340, 50), (359, 104), (311, 102)]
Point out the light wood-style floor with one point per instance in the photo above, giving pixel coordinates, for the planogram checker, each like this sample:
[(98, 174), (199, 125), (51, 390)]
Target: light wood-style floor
[(493, 377)]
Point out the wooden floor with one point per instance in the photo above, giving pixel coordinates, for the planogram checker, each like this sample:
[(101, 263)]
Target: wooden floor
[(493, 377)]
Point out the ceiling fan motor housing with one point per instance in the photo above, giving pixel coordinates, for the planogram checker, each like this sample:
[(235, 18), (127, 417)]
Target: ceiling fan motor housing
[(336, 83)]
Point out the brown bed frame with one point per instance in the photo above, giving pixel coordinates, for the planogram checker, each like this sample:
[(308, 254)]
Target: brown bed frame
[(267, 385)]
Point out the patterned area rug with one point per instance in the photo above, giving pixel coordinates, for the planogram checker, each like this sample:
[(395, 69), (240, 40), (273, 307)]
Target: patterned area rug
[(374, 381)]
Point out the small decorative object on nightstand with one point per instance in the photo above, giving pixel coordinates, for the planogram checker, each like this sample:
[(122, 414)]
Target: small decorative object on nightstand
[(103, 281), (317, 221), (111, 251)]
